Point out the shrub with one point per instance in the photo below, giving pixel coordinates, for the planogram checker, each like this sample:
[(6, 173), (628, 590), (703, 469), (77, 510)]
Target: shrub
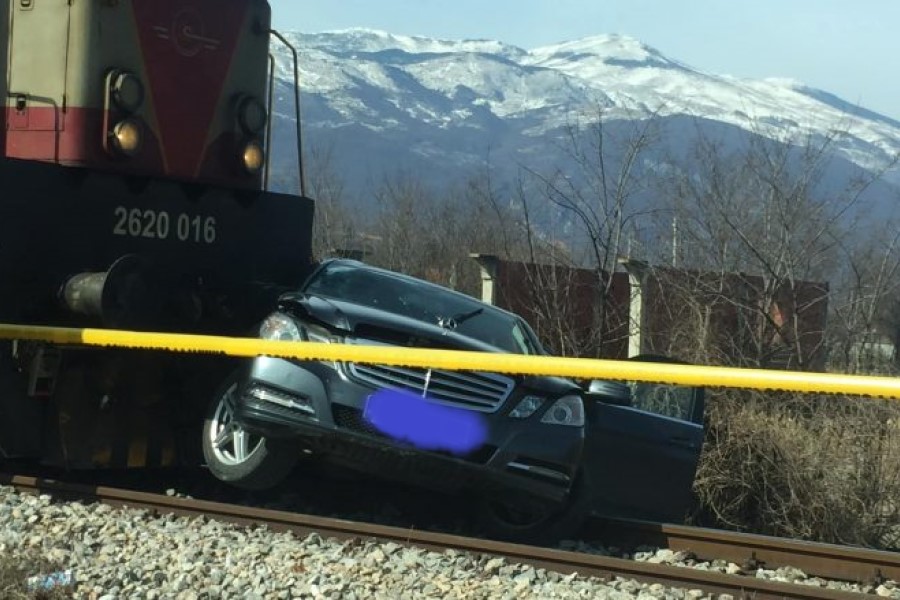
[(816, 468)]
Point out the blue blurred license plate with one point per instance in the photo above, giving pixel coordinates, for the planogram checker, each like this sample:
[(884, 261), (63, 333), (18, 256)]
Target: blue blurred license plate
[(410, 418)]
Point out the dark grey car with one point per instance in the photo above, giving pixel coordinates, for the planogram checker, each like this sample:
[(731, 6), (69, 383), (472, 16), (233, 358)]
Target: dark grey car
[(543, 451)]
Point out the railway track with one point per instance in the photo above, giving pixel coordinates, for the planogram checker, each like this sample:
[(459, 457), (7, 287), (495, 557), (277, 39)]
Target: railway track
[(825, 561)]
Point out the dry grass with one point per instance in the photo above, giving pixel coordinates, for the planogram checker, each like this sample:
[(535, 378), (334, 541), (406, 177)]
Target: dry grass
[(825, 469), (15, 569)]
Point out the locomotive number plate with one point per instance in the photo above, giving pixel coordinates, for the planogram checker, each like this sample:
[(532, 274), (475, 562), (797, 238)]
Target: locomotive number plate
[(163, 225)]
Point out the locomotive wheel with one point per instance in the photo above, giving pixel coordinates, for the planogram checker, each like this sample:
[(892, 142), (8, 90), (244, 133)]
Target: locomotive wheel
[(236, 456)]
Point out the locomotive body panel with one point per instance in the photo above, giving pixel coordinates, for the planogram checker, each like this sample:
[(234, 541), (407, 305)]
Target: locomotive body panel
[(206, 253), (4, 70), (38, 76)]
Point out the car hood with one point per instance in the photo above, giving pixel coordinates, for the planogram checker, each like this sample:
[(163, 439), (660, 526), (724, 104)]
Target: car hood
[(367, 323)]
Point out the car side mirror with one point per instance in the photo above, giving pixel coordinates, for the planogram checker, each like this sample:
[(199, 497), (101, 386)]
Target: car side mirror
[(608, 392)]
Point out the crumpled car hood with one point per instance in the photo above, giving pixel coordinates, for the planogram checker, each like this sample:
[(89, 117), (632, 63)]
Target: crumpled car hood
[(364, 322)]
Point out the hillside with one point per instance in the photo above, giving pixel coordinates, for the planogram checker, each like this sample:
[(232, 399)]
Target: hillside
[(381, 104)]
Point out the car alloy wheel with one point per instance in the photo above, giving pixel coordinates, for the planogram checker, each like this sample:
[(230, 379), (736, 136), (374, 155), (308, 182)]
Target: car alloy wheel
[(231, 444), (236, 456)]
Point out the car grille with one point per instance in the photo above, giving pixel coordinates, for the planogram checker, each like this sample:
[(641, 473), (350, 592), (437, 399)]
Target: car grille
[(484, 392), (352, 419)]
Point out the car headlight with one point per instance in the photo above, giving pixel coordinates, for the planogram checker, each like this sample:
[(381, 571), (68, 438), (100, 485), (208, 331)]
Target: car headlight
[(280, 327), (527, 407), (568, 410)]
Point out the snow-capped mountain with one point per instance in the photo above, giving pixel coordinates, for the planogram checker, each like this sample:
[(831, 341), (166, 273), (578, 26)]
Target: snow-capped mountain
[(379, 104)]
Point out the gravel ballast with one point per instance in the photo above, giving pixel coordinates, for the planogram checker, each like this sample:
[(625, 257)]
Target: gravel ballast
[(114, 553)]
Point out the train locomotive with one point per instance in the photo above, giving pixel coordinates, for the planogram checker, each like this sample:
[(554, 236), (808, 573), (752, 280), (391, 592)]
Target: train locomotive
[(133, 171)]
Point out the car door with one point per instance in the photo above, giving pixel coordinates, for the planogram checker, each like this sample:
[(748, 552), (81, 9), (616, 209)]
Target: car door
[(641, 451)]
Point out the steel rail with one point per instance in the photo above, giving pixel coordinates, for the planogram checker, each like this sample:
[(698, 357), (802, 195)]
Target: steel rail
[(828, 561), (457, 360), (554, 560)]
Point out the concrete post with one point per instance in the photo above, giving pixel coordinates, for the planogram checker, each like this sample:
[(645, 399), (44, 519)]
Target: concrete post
[(637, 274), (488, 264)]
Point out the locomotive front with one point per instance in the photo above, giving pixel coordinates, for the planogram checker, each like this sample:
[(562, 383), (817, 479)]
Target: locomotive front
[(134, 135), (133, 141)]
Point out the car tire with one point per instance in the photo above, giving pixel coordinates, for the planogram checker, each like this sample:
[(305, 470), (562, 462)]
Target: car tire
[(236, 456), (510, 520)]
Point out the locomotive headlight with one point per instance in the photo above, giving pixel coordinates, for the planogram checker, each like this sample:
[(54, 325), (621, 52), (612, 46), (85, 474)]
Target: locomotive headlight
[(126, 137), (126, 90), (253, 157), (252, 115)]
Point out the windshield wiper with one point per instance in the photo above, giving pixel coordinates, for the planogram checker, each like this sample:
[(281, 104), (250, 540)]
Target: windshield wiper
[(455, 321)]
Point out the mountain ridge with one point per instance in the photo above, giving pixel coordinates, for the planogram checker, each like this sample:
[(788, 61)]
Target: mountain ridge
[(462, 98)]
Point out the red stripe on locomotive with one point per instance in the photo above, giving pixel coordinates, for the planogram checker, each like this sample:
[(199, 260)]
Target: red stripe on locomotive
[(187, 52), (77, 143)]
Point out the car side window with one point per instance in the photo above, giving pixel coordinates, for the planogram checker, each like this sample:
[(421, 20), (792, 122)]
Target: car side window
[(668, 400), (521, 340), (674, 401)]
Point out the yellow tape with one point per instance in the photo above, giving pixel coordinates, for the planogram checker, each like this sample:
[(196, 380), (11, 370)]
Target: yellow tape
[(455, 360)]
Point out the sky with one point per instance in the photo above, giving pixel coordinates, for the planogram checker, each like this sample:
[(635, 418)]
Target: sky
[(850, 48)]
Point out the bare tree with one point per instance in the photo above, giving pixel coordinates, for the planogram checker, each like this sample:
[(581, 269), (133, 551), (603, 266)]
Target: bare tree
[(761, 210), (334, 228), (431, 235), (598, 193), (865, 325)]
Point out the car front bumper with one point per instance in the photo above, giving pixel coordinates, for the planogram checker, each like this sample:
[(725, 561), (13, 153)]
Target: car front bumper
[(319, 406)]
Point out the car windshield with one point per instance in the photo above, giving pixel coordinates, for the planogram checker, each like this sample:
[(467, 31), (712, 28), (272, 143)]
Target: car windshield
[(424, 302)]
